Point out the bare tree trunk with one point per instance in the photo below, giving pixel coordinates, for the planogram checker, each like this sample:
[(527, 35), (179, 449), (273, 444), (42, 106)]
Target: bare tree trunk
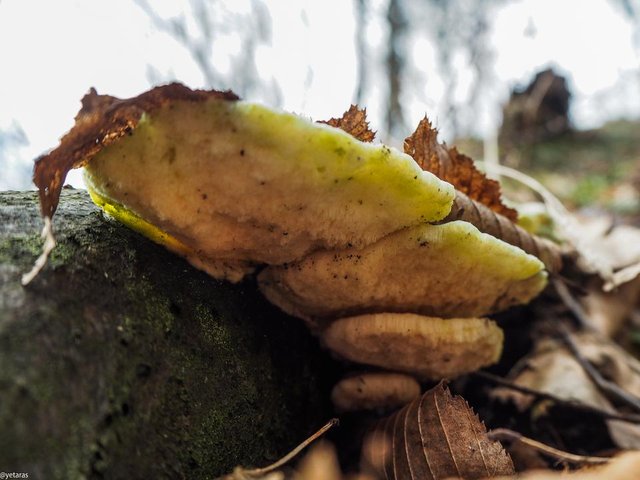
[(361, 50), (395, 66), (122, 361)]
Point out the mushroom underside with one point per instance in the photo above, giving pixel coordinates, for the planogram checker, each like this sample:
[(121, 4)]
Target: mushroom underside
[(427, 347), (447, 270)]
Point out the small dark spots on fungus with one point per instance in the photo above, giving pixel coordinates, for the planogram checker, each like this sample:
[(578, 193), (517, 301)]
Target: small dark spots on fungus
[(285, 233), (204, 196), (424, 243), (170, 155), (262, 182), (108, 420), (175, 309), (359, 202), (143, 370), (242, 152), (416, 177)]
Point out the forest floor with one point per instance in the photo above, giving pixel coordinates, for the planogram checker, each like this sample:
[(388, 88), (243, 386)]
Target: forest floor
[(587, 169)]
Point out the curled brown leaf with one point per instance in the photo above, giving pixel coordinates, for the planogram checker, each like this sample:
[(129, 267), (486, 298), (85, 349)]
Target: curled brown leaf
[(102, 120), (455, 168)]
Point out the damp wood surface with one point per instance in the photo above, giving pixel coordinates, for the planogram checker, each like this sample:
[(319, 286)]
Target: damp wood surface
[(121, 360)]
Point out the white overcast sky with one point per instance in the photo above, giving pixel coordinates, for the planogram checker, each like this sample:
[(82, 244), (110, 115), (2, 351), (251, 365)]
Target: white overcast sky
[(51, 52)]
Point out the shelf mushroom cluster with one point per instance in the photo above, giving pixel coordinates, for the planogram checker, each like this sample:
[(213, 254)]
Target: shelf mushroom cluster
[(345, 233)]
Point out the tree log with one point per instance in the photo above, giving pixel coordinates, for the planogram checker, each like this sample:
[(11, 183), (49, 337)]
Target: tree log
[(120, 360)]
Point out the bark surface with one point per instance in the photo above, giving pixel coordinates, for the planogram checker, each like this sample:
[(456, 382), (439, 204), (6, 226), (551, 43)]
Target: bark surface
[(120, 360)]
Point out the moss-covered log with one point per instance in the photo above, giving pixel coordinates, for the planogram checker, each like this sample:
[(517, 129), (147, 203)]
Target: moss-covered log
[(122, 361)]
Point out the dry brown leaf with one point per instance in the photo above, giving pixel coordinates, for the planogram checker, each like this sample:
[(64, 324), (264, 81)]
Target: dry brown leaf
[(436, 436), (354, 122), (488, 221), (616, 249), (552, 369), (455, 168), (478, 198), (102, 120), (610, 312)]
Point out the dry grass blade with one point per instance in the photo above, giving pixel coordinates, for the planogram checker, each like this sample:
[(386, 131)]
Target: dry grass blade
[(592, 260), (506, 435), (240, 473), (47, 248), (437, 436)]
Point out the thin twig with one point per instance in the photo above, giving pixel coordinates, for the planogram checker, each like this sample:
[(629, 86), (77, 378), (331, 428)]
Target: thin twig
[(607, 387), (241, 473), (631, 418), (572, 304), (506, 435)]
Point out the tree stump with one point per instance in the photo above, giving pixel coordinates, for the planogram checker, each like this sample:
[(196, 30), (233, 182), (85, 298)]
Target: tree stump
[(120, 360)]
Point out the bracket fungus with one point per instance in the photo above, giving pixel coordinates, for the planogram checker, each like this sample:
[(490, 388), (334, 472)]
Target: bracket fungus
[(447, 270), (428, 347), (342, 226), (231, 184), (376, 390)]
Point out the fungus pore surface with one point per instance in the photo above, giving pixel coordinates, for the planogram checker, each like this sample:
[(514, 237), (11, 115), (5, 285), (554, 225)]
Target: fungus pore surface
[(448, 270), (429, 347)]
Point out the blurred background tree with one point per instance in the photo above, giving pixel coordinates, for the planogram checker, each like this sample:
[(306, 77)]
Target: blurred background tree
[(466, 64), (16, 173)]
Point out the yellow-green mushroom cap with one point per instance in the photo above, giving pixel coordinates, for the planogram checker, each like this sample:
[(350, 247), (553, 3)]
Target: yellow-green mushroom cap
[(238, 184), (428, 347), (448, 270)]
